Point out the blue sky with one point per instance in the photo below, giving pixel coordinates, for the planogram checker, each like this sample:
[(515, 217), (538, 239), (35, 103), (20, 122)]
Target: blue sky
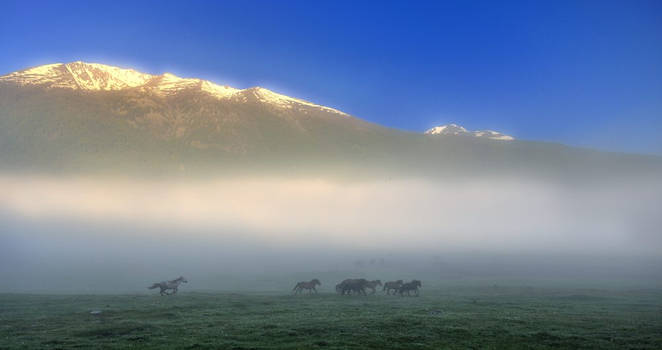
[(585, 73)]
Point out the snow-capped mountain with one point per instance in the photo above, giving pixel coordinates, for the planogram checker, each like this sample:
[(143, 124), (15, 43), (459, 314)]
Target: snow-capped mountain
[(450, 129), (90, 117), (100, 77), (63, 112), (78, 75), (454, 129)]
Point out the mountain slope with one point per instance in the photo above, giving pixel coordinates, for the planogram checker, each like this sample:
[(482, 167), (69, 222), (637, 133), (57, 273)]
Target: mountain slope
[(81, 116), (82, 112), (99, 77)]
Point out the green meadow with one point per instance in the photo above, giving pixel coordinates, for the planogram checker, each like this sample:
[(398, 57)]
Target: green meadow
[(489, 317)]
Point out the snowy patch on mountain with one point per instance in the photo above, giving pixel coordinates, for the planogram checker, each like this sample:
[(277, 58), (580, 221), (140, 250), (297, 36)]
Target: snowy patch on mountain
[(273, 98), (454, 129), (99, 77)]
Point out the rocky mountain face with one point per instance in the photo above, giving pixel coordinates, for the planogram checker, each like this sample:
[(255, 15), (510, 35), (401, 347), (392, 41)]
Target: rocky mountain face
[(80, 116), (80, 109), (99, 77)]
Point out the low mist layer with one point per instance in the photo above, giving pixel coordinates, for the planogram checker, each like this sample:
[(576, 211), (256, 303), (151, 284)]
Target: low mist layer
[(58, 230)]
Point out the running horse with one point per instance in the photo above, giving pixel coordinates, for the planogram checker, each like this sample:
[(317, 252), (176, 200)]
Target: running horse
[(310, 286), (165, 285)]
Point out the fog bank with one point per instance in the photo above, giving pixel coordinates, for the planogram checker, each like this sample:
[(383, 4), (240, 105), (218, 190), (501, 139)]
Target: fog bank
[(105, 229)]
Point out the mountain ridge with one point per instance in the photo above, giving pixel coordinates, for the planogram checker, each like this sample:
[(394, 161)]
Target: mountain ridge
[(80, 75), (146, 122)]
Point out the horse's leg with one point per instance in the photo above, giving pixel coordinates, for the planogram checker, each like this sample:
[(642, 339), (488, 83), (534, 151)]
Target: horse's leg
[(315, 290)]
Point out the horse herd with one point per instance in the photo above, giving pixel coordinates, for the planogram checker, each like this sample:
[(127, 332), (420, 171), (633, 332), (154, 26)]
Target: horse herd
[(359, 285), (346, 287)]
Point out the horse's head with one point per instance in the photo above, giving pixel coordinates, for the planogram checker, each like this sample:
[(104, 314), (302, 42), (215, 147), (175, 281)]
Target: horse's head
[(416, 283), (316, 282), (181, 278), (379, 282)]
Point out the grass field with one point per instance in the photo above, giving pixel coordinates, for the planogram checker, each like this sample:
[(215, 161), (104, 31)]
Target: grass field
[(452, 318)]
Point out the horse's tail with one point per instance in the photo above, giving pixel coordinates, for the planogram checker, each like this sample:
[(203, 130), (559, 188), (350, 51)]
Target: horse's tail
[(155, 285)]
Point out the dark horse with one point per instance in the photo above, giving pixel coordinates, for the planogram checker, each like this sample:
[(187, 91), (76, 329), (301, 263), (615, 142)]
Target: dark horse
[(410, 286), (392, 286), (352, 285), (310, 286)]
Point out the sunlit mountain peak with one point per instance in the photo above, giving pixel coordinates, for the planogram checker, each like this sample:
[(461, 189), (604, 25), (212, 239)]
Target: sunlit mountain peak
[(100, 77), (454, 129)]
